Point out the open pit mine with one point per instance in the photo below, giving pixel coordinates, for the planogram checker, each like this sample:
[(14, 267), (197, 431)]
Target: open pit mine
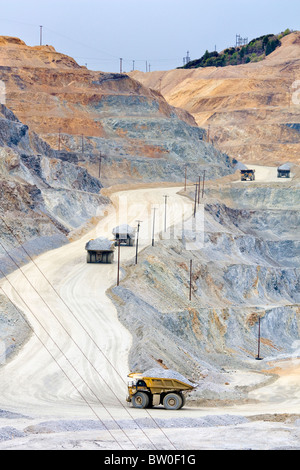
[(149, 255)]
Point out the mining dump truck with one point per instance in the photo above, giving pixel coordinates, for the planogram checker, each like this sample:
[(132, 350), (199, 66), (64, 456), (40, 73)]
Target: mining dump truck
[(284, 171), (247, 175), (100, 250), (145, 392), (124, 234)]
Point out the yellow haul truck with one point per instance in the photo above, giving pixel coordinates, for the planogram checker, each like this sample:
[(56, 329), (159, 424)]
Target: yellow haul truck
[(247, 175), (145, 392)]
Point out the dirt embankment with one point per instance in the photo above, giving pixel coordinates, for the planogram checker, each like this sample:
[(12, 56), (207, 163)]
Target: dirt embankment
[(245, 266), (139, 135), (250, 111)]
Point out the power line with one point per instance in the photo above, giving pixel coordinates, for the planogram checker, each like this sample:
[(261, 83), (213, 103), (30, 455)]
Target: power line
[(81, 43), (61, 351), (47, 349), (72, 339), (81, 325), (113, 56)]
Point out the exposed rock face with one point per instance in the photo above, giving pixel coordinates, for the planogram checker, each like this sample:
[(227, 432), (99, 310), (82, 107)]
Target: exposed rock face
[(245, 268), (252, 110), (43, 197), (14, 329), (88, 113), (56, 120)]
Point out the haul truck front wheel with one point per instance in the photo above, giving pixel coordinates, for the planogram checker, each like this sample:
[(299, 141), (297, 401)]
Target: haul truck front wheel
[(172, 401), (140, 400)]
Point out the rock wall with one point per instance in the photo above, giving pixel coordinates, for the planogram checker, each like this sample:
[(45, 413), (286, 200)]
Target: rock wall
[(43, 197), (246, 268), (89, 113), (250, 111)]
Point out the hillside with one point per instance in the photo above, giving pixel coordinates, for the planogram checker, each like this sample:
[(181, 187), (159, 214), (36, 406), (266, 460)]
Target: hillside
[(71, 331), (43, 197), (251, 111), (257, 49), (59, 118), (245, 266), (77, 110)]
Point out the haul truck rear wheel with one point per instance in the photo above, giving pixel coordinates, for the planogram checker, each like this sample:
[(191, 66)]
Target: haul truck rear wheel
[(172, 401), (140, 400)]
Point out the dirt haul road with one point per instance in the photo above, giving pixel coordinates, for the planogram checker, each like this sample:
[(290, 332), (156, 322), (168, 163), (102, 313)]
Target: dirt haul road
[(75, 323), (75, 365)]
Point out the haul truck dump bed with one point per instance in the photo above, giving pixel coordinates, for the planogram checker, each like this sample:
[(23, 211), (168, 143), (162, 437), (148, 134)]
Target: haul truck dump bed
[(146, 391)]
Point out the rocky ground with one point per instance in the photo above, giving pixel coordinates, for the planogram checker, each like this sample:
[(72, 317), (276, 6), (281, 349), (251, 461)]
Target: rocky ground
[(50, 169), (250, 111), (43, 196), (209, 340), (245, 267), (73, 109)]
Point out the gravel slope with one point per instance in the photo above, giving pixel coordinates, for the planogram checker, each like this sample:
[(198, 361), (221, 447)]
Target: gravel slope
[(43, 409)]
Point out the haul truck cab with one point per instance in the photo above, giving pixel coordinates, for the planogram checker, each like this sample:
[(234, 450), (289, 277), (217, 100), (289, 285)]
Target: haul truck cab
[(145, 392), (247, 175)]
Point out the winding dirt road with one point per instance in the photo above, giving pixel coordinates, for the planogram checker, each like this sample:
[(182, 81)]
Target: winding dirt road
[(75, 323), (75, 366)]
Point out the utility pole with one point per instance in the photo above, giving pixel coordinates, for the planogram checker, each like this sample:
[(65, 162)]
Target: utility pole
[(133, 65), (203, 184), (118, 274), (154, 209), (137, 240), (121, 65), (41, 35), (258, 358), (191, 268), (165, 196), (199, 190), (195, 202), (100, 159)]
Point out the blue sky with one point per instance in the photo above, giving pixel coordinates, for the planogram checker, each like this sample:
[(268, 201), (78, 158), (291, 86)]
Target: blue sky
[(155, 33)]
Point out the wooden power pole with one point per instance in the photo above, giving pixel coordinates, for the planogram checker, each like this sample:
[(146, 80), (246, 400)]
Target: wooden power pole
[(153, 230), (137, 240), (203, 184), (100, 160), (258, 358), (191, 269), (118, 273)]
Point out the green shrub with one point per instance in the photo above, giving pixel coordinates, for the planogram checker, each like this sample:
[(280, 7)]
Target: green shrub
[(256, 50)]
